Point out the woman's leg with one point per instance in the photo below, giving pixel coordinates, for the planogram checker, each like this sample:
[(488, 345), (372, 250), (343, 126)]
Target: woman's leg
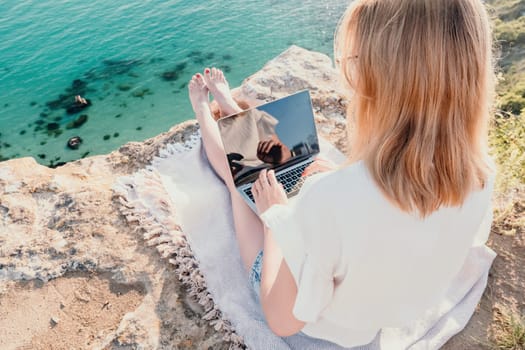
[(248, 226)]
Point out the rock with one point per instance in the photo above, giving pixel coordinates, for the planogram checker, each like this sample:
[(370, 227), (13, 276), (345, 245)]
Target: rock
[(78, 86), (141, 93), (74, 142), (124, 87), (297, 69), (77, 107), (54, 321), (226, 68), (78, 122), (170, 75), (53, 126)]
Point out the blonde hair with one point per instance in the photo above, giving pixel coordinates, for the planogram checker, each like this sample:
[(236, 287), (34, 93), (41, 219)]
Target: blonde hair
[(423, 80)]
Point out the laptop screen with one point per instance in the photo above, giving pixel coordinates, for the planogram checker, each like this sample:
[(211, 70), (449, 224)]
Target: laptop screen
[(273, 135)]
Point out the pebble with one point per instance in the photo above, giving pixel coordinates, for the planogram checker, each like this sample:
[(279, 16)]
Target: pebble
[(54, 321)]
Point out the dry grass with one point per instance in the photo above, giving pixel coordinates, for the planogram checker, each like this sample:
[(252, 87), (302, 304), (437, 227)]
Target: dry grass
[(508, 332)]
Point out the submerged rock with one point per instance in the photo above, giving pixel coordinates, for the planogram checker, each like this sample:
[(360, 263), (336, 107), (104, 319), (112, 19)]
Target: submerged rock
[(55, 133), (111, 68), (74, 142), (78, 122), (54, 165), (226, 68), (79, 86), (141, 93), (195, 53), (181, 66), (65, 100), (124, 87), (170, 75), (52, 126), (77, 107)]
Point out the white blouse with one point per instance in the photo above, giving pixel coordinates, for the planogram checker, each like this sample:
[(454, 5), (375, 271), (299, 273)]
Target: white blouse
[(360, 263)]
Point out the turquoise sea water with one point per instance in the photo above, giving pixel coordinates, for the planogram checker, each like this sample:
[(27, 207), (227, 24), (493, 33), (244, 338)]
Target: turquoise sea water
[(132, 59)]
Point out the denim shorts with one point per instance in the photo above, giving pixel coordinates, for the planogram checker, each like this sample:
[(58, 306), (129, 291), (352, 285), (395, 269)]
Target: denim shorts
[(255, 274)]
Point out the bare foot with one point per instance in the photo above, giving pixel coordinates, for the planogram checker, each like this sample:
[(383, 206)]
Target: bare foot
[(219, 88), (199, 96)]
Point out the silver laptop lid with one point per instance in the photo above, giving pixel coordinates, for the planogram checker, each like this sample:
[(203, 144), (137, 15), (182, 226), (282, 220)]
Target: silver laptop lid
[(272, 136)]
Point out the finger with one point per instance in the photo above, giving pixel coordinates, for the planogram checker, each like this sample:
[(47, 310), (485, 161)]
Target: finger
[(272, 180), (263, 178), (259, 147), (309, 169)]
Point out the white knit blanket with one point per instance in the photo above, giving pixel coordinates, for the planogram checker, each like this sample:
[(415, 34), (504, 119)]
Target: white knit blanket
[(184, 209)]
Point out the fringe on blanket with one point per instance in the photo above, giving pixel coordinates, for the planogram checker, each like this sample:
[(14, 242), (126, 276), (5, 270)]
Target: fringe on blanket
[(154, 220)]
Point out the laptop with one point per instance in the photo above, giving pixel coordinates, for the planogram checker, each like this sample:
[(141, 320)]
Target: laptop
[(278, 135)]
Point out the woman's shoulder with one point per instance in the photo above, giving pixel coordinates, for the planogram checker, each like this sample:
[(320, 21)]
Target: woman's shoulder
[(326, 187), (349, 176)]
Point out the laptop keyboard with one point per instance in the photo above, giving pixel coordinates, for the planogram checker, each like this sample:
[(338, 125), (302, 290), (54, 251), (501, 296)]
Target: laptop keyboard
[(291, 179)]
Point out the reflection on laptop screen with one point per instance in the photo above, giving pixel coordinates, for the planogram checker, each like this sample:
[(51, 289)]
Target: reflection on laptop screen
[(272, 135)]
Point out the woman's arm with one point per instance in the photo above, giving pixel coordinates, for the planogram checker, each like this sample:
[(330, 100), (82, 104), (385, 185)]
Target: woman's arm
[(278, 290)]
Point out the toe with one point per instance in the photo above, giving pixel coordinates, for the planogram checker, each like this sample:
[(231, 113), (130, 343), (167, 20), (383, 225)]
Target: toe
[(214, 72)]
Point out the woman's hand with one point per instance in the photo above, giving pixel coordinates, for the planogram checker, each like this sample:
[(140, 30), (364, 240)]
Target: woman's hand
[(319, 165), (267, 191)]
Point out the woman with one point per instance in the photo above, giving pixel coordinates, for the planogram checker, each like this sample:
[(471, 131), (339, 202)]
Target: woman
[(376, 242)]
